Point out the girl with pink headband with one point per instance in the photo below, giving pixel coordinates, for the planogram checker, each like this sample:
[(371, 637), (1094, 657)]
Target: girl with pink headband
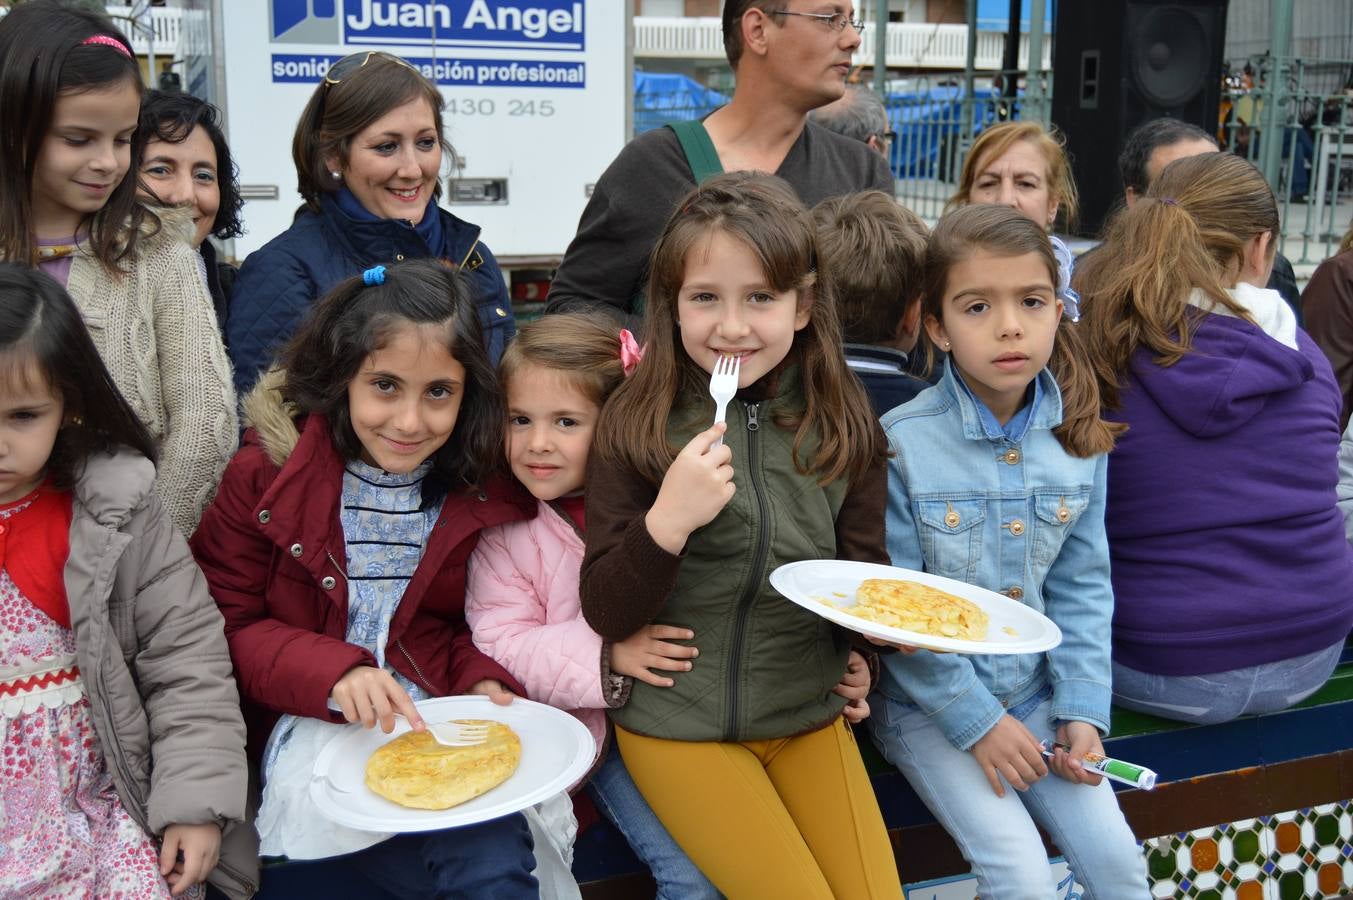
[(71, 91)]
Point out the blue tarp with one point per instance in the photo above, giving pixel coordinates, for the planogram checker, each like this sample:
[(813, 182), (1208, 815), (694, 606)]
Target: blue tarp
[(660, 97), (927, 122)]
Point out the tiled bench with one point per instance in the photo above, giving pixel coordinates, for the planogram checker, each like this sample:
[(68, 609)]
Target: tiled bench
[(1208, 775)]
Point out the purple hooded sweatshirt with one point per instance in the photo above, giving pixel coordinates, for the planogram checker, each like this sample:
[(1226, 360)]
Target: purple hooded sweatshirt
[(1227, 548)]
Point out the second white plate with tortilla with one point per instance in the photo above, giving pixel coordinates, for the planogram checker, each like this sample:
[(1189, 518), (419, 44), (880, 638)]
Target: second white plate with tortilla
[(827, 587), (556, 750)]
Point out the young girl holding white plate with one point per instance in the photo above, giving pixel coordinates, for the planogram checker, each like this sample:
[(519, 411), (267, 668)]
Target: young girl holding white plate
[(336, 550), (998, 480)]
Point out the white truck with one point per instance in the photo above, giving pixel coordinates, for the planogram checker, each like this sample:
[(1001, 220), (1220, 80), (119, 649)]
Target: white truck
[(538, 100)]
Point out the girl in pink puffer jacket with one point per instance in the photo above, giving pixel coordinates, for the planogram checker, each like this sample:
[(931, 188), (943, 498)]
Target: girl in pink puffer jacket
[(522, 596)]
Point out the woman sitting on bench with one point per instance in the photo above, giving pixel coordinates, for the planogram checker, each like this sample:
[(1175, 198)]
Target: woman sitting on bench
[(1231, 573)]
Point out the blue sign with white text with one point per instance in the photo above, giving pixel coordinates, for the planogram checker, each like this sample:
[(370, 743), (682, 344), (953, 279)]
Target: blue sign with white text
[(305, 68), (499, 24)]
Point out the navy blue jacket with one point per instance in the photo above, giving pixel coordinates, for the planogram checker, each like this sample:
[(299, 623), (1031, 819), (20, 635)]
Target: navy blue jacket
[(282, 279)]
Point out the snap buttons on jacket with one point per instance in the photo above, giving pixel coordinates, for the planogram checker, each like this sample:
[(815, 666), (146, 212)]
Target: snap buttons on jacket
[(264, 516), (1016, 527), (1011, 456), (327, 582), (1014, 593), (296, 550), (951, 517), (1062, 512)]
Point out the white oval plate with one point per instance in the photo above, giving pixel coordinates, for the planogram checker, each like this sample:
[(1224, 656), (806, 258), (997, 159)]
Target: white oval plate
[(1014, 627), (556, 751)]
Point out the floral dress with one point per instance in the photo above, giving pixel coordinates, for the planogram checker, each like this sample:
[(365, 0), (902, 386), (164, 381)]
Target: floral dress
[(63, 831)]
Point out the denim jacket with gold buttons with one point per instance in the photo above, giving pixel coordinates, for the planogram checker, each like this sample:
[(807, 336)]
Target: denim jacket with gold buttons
[(1022, 517)]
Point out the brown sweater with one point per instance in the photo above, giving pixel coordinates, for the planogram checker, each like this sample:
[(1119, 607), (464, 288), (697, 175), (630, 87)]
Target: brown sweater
[(1327, 304)]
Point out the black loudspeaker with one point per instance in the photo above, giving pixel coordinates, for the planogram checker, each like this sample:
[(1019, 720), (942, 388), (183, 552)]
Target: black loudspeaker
[(1119, 63)]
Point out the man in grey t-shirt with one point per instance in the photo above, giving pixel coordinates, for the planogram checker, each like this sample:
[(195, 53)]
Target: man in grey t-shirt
[(789, 57)]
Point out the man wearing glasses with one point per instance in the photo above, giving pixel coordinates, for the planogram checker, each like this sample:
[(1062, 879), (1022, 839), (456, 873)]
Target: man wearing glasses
[(789, 57)]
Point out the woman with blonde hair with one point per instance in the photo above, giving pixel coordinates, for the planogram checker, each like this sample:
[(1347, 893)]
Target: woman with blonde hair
[(1230, 567), (1023, 165)]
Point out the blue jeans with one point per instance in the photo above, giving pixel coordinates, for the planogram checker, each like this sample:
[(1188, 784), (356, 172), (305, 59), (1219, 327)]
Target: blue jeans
[(489, 861), (619, 800), (1223, 696), (999, 835)]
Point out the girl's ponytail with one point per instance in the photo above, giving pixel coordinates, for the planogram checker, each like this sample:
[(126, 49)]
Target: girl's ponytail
[(1153, 259), (1083, 432)]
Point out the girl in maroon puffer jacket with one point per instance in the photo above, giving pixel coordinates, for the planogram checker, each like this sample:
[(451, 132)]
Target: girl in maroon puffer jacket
[(336, 550)]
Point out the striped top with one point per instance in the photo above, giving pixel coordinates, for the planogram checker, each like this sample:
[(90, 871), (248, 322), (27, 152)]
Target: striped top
[(385, 533)]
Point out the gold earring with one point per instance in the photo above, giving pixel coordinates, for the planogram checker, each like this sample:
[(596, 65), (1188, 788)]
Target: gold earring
[(76, 420), (946, 345)]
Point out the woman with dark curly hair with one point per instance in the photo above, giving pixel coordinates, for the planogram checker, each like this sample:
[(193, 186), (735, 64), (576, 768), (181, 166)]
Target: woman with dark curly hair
[(187, 163)]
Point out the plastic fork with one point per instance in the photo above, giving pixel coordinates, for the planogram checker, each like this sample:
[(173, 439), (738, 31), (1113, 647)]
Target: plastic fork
[(458, 734), (448, 734), (723, 384)]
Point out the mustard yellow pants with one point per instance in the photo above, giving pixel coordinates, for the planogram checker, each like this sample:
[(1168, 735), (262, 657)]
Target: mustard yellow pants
[(788, 818)]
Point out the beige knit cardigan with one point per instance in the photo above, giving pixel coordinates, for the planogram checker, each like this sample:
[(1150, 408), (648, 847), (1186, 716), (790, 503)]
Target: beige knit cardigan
[(155, 327)]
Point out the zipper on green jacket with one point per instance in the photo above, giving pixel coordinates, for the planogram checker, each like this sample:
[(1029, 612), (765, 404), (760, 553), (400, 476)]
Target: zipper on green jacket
[(754, 583)]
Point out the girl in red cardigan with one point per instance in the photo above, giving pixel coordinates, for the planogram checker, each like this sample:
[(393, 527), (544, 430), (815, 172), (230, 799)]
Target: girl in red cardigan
[(336, 550)]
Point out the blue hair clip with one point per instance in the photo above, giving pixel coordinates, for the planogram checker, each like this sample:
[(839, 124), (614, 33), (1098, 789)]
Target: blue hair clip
[(374, 275), (1071, 301)]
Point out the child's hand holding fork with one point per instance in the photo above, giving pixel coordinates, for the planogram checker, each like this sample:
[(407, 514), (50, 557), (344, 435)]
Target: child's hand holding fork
[(697, 486)]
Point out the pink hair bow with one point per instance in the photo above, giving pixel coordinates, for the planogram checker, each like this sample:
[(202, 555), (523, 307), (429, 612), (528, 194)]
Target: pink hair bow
[(630, 352)]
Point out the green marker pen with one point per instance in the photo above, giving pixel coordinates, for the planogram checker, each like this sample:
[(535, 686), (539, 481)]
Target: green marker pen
[(1112, 769)]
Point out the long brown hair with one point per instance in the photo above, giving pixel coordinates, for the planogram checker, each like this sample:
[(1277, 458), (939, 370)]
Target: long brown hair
[(584, 347), (43, 56), (337, 113), (1008, 232), (762, 212), (992, 144), (1188, 232)]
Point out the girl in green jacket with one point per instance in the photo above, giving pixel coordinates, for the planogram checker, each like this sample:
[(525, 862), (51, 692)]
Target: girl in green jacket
[(746, 758)]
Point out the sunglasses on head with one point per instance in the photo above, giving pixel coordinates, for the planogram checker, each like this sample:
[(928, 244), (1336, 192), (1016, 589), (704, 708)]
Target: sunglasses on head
[(354, 61)]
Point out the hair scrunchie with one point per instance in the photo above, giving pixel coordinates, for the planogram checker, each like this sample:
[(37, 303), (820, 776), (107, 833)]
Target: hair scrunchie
[(630, 352), (374, 275), (1071, 301)]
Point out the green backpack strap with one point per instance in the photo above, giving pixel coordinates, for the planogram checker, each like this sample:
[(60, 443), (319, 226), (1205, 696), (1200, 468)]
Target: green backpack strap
[(699, 149), (704, 162)]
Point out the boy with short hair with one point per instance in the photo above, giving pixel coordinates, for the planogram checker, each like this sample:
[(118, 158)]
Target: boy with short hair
[(873, 251)]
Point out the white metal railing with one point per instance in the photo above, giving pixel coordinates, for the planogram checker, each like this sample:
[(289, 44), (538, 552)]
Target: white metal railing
[(166, 22), (910, 45)]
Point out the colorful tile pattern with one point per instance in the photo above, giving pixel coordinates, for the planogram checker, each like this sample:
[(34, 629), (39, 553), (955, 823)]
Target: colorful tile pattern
[(1304, 854)]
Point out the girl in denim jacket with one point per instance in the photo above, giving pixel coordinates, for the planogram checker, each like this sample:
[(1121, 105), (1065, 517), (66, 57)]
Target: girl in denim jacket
[(998, 480)]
